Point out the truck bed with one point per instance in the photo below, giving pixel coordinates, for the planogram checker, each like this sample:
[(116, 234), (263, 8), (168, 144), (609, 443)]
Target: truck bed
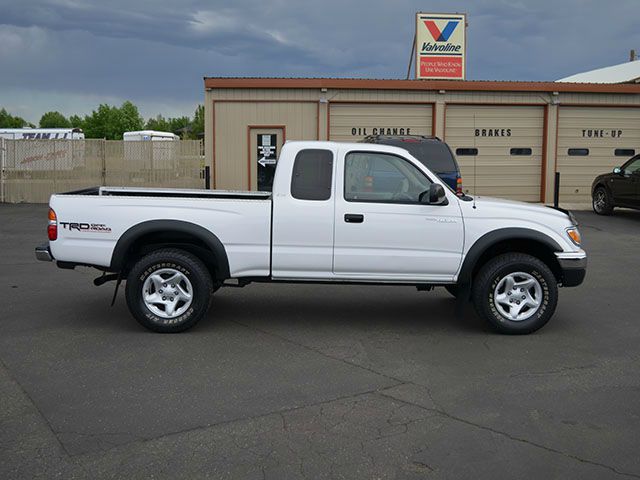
[(91, 221), (171, 192)]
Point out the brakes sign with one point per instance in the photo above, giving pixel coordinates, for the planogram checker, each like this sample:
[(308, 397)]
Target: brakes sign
[(440, 46)]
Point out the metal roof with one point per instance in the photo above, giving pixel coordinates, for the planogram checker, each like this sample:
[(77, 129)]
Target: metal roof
[(424, 85), (628, 72)]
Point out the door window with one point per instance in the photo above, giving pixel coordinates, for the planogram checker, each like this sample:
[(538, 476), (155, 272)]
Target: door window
[(382, 177), (633, 166)]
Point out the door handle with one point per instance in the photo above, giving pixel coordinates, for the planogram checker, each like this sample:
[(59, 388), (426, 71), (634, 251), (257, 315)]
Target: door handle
[(353, 218)]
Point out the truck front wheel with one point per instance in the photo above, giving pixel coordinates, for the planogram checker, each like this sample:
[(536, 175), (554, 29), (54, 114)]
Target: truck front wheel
[(169, 290), (516, 293)]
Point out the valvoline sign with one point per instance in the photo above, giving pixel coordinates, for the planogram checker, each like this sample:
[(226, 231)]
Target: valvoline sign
[(440, 46)]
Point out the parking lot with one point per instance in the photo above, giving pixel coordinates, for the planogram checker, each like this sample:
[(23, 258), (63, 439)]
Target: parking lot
[(317, 382)]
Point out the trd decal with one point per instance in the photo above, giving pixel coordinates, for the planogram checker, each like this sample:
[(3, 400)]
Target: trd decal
[(86, 227)]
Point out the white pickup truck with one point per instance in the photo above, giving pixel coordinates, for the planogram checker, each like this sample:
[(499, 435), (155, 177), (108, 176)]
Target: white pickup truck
[(347, 213)]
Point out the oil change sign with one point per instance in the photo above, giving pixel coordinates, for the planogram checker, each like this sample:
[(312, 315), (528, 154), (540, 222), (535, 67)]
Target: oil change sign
[(440, 46)]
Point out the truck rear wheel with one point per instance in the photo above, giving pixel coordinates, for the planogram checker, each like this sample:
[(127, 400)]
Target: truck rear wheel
[(169, 290), (516, 293)]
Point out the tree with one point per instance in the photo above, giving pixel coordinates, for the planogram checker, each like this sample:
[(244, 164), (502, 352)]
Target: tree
[(159, 123), (9, 121), (111, 122), (76, 121), (54, 120), (180, 125), (130, 119), (197, 126), (100, 124)]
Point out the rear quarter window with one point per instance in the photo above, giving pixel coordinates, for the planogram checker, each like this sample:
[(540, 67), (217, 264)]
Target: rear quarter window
[(312, 175)]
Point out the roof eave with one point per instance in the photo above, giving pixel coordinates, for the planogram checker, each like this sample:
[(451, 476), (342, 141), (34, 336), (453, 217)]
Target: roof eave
[(423, 85)]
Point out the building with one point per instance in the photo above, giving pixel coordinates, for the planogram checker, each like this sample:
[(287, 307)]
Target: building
[(509, 137), (628, 72)]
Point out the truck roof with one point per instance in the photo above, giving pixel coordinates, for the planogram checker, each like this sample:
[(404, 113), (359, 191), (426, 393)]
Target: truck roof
[(359, 146)]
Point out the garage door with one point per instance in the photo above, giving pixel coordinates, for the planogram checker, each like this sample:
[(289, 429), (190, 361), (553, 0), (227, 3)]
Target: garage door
[(352, 122), (591, 141), (499, 149)]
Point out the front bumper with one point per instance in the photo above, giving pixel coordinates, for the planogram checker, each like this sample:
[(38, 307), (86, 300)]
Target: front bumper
[(43, 253), (573, 266)]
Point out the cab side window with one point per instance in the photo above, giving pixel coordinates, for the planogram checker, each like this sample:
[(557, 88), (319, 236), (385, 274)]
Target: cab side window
[(382, 177), (312, 175)]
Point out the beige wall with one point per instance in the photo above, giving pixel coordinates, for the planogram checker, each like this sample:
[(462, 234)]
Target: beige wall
[(494, 131), (351, 122), (601, 130), (232, 123), (306, 113)]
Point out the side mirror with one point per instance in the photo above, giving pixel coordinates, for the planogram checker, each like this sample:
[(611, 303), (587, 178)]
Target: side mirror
[(617, 170), (434, 196)]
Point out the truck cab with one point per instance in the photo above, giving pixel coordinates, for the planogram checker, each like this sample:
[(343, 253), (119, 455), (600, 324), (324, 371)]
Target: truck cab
[(363, 211)]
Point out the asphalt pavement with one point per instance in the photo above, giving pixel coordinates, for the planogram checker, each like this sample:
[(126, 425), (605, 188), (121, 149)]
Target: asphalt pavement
[(307, 381)]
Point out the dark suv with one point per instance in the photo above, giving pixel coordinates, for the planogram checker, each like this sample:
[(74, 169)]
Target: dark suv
[(621, 188), (431, 151)]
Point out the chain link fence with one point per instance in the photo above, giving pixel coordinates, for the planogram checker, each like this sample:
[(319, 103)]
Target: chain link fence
[(34, 169)]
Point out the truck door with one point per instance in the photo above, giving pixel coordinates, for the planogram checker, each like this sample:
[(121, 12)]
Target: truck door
[(382, 231), (303, 211)]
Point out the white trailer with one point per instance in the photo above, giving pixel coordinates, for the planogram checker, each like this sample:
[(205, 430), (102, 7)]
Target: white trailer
[(42, 133), (150, 150), (149, 135)]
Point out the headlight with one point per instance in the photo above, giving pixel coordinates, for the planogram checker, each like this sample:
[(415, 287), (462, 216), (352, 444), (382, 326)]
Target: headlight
[(574, 234)]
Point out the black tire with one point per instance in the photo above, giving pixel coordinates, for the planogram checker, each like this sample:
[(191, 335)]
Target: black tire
[(601, 201), (488, 279), (163, 262), (452, 289)]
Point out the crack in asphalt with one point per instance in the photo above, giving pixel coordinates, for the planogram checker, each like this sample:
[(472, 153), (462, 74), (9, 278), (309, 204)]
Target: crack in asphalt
[(440, 410), (34, 405), (553, 372), (379, 391), (320, 352), (282, 411), (510, 436)]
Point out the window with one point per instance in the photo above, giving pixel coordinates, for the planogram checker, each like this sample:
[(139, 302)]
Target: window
[(435, 155), (632, 166), (382, 177), (578, 152), (521, 151), (466, 151), (312, 174), (624, 152)]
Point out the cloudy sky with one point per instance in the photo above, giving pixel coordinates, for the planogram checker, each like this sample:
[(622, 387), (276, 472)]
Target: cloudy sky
[(71, 55)]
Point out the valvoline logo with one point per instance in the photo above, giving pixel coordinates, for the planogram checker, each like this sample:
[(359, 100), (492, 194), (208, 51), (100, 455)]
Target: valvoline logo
[(437, 34)]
